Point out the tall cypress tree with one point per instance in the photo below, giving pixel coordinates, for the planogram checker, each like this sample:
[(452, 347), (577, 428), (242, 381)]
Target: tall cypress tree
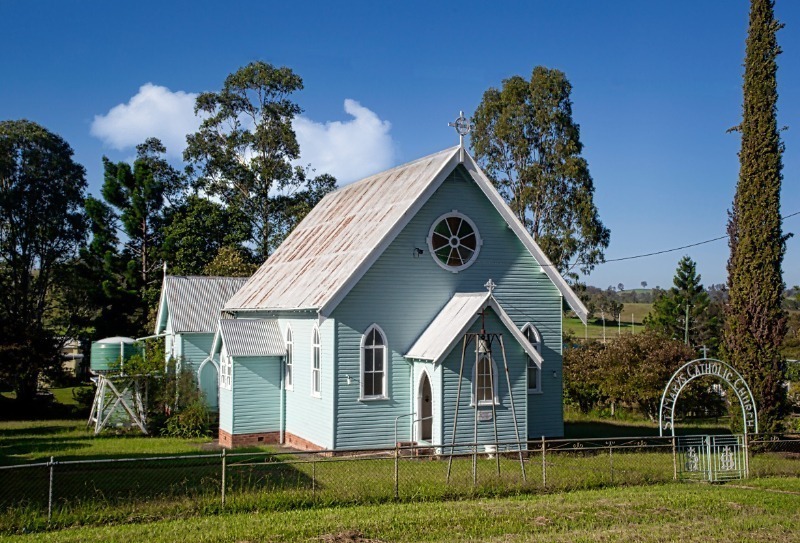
[(755, 324)]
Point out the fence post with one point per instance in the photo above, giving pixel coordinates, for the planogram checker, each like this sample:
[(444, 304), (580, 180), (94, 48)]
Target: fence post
[(746, 455), (314, 478), (50, 465), (611, 461), (224, 462), (544, 464), (674, 460), (396, 471)]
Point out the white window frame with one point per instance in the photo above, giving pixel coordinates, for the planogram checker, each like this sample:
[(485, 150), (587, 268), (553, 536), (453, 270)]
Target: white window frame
[(478, 242), (494, 381), (385, 348), (226, 371), (530, 330), (288, 365), (316, 363)]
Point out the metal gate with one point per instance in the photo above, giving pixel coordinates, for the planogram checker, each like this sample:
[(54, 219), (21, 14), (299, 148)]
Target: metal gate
[(711, 458)]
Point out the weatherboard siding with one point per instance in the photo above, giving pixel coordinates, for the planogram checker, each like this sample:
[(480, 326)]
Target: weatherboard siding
[(256, 394), (196, 347), (403, 293), (307, 416)]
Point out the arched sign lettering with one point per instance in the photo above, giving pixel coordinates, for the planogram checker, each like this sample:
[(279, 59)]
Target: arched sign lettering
[(699, 368)]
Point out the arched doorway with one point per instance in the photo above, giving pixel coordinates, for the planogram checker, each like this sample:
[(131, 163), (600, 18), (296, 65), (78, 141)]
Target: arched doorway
[(208, 382), (425, 409)]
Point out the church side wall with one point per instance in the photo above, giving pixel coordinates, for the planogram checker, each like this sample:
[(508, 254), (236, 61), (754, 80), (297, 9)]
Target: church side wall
[(309, 417)]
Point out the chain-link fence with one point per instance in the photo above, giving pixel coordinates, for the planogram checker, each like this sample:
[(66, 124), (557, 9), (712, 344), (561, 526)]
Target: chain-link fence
[(58, 493)]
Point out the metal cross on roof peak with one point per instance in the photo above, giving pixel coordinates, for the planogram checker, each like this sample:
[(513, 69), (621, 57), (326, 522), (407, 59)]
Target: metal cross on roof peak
[(463, 126), (490, 286)]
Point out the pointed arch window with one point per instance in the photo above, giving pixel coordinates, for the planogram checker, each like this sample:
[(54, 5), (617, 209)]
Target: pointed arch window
[(315, 363), (485, 377), (374, 362), (534, 371), (288, 375)]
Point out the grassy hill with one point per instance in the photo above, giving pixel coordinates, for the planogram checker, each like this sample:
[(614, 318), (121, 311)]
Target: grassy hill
[(631, 322)]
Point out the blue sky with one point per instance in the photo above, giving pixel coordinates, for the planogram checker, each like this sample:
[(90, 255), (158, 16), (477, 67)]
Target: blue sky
[(655, 86)]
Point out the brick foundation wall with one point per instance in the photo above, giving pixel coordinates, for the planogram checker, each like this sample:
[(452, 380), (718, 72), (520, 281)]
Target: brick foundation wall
[(244, 440)]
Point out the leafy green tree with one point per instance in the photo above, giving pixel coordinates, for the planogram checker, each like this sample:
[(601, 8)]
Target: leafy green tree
[(529, 146), (230, 261), (245, 146), (196, 230), (755, 324), (41, 230), (141, 196), (631, 370), (668, 315)]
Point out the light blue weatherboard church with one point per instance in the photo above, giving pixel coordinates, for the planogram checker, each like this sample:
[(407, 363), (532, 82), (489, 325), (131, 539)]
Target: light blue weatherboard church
[(358, 318)]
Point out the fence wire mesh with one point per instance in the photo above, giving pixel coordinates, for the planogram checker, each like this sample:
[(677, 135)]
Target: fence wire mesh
[(57, 493)]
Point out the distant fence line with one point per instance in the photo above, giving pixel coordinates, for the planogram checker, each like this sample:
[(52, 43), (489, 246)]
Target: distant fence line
[(55, 493)]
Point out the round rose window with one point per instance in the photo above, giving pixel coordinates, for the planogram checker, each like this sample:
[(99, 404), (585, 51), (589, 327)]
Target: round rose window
[(454, 241)]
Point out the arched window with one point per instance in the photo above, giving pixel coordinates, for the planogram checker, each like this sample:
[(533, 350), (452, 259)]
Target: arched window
[(374, 361), (484, 389), (315, 363), (534, 372), (287, 378)]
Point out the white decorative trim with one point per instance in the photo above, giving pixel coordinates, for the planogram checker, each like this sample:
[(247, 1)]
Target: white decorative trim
[(499, 204), (385, 386), (416, 430), (538, 346), (316, 352), (288, 361)]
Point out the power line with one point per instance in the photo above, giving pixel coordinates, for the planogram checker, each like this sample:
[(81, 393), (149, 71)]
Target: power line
[(670, 250)]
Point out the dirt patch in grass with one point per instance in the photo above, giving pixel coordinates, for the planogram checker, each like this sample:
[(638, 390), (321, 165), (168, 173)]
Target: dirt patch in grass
[(350, 536)]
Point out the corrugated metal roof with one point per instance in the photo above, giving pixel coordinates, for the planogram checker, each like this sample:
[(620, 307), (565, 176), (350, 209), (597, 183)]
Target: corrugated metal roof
[(329, 251), (325, 250), (454, 320), (194, 302), (252, 337)]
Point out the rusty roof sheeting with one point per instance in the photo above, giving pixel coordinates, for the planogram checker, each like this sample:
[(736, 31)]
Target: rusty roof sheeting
[(337, 237)]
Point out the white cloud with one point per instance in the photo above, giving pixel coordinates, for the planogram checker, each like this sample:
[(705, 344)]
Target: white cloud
[(347, 150), (154, 111)]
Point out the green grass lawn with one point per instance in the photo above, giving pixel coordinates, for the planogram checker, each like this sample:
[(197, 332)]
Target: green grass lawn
[(769, 511), (27, 441)]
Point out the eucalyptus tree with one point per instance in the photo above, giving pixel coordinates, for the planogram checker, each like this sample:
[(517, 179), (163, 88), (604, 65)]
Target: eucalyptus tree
[(245, 149), (41, 230), (755, 323), (529, 145)]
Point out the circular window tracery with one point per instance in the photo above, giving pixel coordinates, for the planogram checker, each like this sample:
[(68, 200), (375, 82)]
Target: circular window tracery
[(454, 241)]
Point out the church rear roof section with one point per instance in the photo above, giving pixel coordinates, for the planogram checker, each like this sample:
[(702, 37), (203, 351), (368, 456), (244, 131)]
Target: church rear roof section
[(194, 302), (249, 337)]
